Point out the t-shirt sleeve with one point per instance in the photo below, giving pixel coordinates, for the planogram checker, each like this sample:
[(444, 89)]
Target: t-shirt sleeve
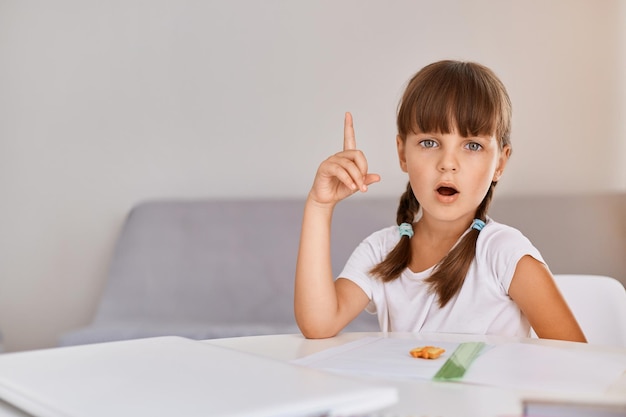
[(369, 253), (502, 247), (358, 265)]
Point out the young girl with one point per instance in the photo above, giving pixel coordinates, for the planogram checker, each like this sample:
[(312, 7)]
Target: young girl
[(446, 266)]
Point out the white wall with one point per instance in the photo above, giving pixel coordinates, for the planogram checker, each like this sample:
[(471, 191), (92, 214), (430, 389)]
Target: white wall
[(105, 103)]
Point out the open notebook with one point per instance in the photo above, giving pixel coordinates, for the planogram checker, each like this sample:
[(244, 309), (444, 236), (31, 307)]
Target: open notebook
[(174, 376)]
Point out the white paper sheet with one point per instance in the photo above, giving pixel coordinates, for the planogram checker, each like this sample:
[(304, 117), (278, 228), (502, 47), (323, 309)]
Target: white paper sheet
[(514, 365), (379, 356)]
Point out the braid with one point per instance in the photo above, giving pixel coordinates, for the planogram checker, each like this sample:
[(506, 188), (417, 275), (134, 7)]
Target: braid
[(449, 275), (400, 257), (408, 207)]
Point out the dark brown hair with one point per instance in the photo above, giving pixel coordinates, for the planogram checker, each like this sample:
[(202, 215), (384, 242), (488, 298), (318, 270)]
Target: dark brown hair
[(443, 97)]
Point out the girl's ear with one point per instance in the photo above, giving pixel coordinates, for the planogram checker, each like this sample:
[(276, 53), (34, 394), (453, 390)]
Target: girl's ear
[(401, 155), (504, 158)]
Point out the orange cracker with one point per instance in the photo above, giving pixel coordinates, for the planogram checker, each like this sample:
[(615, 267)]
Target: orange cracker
[(427, 352)]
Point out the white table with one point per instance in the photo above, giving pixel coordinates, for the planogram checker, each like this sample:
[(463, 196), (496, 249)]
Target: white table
[(442, 399), (423, 398)]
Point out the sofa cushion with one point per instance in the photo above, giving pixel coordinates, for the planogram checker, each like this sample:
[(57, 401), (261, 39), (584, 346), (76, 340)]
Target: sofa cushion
[(212, 268)]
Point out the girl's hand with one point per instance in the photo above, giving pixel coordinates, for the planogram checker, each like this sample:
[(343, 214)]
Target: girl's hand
[(344, 173)]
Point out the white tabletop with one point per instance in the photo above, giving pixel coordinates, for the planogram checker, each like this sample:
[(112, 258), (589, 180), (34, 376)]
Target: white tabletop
[(442, 399), (424, 398)]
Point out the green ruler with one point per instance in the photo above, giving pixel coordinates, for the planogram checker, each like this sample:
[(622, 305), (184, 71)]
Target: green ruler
[(460, 360)]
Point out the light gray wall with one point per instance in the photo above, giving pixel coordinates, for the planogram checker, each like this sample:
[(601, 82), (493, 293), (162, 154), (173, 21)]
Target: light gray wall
[(106, 103)]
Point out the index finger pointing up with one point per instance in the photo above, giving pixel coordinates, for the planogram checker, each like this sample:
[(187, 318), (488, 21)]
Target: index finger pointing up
[(349, 141)]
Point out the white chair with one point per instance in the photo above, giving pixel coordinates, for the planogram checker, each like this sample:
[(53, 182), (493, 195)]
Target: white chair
[(599, 304)]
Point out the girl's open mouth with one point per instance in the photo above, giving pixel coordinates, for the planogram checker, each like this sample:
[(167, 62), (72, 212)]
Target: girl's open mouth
[(447, 191)]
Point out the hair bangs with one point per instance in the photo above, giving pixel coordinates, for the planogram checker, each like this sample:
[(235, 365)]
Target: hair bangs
[(453, 96)]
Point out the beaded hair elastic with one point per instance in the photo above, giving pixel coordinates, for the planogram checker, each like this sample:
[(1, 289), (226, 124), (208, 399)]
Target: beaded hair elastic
[(478, 224), (406, 229)]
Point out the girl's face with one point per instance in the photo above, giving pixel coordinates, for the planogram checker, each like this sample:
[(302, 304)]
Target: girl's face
[(451, 174)]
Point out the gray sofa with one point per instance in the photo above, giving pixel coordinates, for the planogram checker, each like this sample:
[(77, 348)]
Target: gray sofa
[(218, 268)]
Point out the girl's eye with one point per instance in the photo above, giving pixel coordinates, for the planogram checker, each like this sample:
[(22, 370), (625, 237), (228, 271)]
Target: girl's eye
[(428, 143), (473, 146)]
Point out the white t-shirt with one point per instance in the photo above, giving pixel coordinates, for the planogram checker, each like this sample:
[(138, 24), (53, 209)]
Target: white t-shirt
[(482, 306)]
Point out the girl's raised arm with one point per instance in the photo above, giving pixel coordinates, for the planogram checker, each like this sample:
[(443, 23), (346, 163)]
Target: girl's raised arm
[(535, 292), (323, 306)]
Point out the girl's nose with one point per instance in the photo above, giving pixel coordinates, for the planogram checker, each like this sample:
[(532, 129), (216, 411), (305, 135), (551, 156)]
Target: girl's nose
[(448, 162)]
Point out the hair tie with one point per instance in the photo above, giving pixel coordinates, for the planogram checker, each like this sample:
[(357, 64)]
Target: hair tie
[(406, 229), (478, 224)]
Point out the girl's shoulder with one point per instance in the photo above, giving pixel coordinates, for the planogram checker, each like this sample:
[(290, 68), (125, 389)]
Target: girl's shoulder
[(498, 237), (371, 251), (383, 239), (499, 248), (499, 231)]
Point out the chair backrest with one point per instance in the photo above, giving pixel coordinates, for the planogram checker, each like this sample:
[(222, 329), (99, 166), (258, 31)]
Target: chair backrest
[(599, 304)]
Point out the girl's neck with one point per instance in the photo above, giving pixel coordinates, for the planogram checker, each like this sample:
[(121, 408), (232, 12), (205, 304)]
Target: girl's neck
[(436, 231), (432, 241)]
